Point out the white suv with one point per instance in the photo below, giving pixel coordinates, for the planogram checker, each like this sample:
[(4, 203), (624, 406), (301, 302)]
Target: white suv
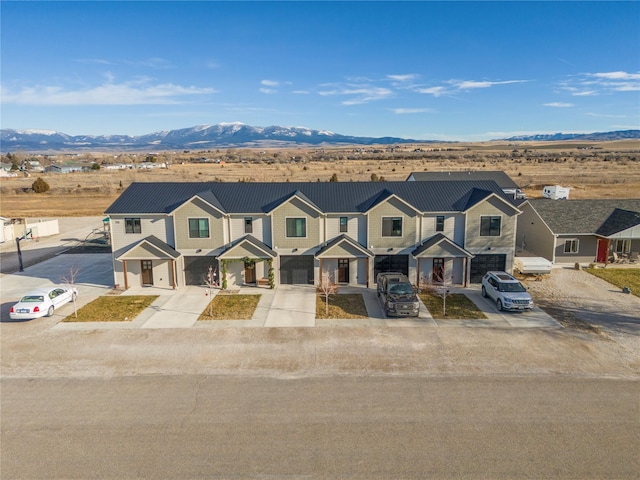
[(506, 291)]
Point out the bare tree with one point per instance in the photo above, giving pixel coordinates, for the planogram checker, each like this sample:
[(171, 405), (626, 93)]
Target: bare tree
[(211, 280), (70, 279), (327, 288), (440, 285)]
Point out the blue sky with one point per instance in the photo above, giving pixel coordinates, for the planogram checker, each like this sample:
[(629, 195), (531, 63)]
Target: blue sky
[(423, 70)]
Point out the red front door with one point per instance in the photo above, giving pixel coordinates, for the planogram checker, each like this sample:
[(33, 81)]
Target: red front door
[(603, 250)]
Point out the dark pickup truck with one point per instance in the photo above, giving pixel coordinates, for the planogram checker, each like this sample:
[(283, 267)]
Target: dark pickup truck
[(397, 294)]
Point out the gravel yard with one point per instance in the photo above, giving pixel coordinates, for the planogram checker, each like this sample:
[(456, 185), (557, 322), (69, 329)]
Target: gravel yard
[(580, 300)]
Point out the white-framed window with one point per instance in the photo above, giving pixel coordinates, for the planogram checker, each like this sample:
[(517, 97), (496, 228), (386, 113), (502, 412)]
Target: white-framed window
[(572, 245), (248, 225), (490, 226), (132, 225), (622, 246), (296, 227), (440, 223), (198, 228), (344, 224), (391, 226)]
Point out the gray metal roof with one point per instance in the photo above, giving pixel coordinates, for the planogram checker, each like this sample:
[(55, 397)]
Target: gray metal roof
[(502, 179), (330, 197), (579, 216)]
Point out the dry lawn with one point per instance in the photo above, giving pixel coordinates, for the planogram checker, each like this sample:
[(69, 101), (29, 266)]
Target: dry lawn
[(123, 308), (231, 307), (595, 170), (458, 306), (620, 277), (341, 306)]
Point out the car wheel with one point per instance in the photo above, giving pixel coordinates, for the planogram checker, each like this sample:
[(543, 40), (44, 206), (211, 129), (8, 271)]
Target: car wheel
[(484, 292), (499, 304), (50, 311)]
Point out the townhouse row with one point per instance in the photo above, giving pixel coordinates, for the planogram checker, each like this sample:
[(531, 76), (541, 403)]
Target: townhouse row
[(175, 234)]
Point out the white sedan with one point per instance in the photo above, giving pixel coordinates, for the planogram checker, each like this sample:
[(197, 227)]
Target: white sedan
[(42, 302)]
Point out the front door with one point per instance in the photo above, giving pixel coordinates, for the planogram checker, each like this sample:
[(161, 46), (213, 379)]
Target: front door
[(438, 270), (249, 272), (343, 270), (603, 250), (146, 267)]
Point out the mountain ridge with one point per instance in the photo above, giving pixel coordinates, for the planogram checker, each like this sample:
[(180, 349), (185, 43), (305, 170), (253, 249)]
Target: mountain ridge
[(234, 135)]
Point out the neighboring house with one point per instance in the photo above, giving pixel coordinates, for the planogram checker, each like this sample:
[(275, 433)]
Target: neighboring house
[(67, 168), (5, 170), (579, 230), (33, 166), (504, 181), (169, 234)]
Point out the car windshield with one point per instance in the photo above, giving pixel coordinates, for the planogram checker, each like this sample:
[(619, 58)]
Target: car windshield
[(512, 287), (32, 298), (401, 289)]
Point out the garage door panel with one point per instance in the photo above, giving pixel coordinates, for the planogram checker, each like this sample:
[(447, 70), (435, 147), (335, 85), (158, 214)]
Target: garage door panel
[(481, 264), (196, 269), (390, 263), (296, 270)]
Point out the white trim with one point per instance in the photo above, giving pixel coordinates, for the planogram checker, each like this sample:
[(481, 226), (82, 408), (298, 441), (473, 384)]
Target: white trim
[(208, 219), (490, 236), (571, 252), (401, 217), (305, 227)]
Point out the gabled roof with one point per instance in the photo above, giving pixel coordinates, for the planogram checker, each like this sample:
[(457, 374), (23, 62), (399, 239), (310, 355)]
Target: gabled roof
[(163, 250), (207, 196), (273, 205), (251, 240), (579, 216), (618, 221), (328, 197), (439, 239), (344, 239), (502, 179)]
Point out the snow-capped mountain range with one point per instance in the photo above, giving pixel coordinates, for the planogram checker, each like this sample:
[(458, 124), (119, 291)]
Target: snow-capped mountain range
[(199, 137), (236, 134)]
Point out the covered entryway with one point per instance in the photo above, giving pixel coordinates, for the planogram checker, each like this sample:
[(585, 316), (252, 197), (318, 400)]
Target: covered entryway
[(343, 270), (481, 264), (296, 270), (345, 261), (247, 261), (148, 262), (441, 261), (390, 263), (196, 269)]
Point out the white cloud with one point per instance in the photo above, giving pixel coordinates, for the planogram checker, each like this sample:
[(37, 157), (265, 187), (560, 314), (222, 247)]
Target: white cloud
[(471, 84), (270, 83), (601, 83), (604, 115), (403, 78), (301, 92), (558, 105), (402, 111), (136, 92), (435, 91), (360, 93), (268, 91)]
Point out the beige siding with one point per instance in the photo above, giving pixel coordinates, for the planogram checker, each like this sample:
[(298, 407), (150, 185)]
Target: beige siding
[(157, 225), (244, 250), (490, 207), (295, 208), (429, 226), (237, 227), (392, 208), (198, 209), (342, 250), (333, 227)]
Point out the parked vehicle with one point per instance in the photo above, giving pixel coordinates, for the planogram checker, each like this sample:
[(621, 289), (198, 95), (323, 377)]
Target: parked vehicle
[(398, 295), (556, 192), (42, 302), (506, 291)]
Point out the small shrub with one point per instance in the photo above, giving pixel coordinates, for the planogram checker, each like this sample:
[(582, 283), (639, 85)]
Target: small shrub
[(40, 186)]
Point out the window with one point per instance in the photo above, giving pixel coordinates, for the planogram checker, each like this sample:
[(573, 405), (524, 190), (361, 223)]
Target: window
[(296, 227), (490, 226), (392, 227), (343, 224), (571, 246), (440, 223), (198, 228), (248, 225), (622, 246), (132, 225)]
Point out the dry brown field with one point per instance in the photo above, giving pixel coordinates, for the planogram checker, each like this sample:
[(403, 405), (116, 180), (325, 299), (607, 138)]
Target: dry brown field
[(592, 170)]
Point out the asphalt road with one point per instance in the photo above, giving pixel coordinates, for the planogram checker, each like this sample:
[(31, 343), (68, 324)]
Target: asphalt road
[(368, 427)]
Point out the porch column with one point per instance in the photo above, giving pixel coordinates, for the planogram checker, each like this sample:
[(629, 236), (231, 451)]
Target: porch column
[(126, 280), (418, 275), (173, 273), (466, 260), (367, 272)]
